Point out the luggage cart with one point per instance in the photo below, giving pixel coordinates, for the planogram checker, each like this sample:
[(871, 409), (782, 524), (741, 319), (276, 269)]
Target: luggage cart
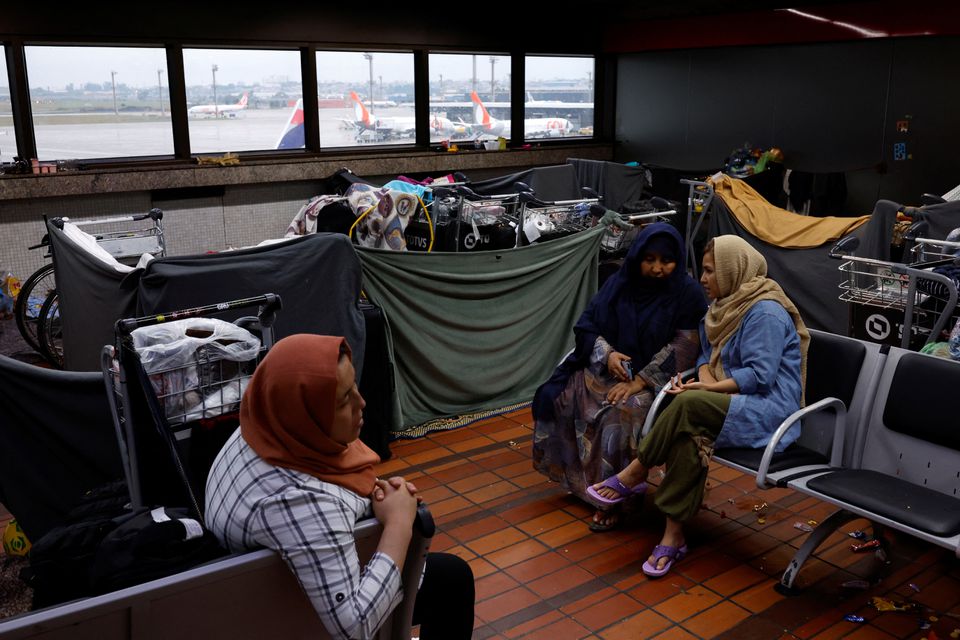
[(126, 245), (191, 406), (543, 220), (468, 221), (699, 198), (893, 303), (617, 238)]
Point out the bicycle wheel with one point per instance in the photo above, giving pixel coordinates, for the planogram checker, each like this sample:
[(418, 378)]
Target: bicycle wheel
[(49, 334), (26, 308)]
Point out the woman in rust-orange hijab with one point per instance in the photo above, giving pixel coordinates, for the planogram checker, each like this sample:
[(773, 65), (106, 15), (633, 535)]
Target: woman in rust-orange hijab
[(287, 410)]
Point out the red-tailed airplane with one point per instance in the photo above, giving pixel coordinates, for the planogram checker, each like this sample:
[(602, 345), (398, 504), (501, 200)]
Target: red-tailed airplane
[(486, 125), (400, 126), (292, 136), (219, 110)]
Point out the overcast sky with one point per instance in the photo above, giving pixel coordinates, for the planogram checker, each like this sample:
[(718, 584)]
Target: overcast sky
[(55, 67)]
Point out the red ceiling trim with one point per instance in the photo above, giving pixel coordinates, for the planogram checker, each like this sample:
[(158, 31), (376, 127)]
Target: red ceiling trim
[(818, 23)]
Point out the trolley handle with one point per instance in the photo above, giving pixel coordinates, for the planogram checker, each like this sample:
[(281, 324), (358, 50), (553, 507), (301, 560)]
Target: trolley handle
[(844, 246), (269, 304), (154, 214)]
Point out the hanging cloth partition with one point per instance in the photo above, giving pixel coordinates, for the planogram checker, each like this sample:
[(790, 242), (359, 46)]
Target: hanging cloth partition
[(476, 331)]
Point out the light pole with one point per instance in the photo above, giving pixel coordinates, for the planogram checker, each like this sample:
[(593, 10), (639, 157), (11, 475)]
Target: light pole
[(216, 109), (382, 94), (113, 82), (590, 85), (160, 90), (441, 87), (493, 88), (473, 86), (369, 58)]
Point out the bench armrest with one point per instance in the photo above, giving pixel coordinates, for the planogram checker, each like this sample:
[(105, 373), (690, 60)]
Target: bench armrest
[(658, 400), (836, 451)]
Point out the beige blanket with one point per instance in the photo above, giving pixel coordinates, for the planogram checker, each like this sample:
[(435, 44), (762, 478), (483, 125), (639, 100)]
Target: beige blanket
[(778, 226)]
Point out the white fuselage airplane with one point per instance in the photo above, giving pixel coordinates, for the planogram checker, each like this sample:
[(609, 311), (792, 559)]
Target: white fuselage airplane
[(400, 126), (219, 110), (485, 124)]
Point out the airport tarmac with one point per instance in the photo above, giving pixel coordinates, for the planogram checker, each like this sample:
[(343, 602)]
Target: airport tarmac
[(252, 130)]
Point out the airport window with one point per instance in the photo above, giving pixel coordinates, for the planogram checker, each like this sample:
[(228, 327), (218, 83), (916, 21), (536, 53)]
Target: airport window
[(559, 97), (469, 96), (242, 99), (8, 138), (365, 98), (99, 102)]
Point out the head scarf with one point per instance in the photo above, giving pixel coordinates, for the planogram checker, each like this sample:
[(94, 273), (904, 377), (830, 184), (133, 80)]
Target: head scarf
[(638, 316), (741, 283), (288, 408)]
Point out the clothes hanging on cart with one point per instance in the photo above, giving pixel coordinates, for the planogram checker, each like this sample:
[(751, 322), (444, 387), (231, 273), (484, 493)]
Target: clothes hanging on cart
[(383, 215), (322, 214)]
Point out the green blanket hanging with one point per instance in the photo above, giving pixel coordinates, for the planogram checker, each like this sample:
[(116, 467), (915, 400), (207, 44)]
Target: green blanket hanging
[(476, 331)]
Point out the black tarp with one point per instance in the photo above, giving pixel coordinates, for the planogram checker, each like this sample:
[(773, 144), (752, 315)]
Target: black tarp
[(556, 182), (91, 301), (616, 182), (56, 441), (809, 276), (316, 276)]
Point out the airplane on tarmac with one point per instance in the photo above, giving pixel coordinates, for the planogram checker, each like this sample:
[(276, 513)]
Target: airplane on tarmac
[(485, 124), (219, 110), (401, 126), (292, 136)]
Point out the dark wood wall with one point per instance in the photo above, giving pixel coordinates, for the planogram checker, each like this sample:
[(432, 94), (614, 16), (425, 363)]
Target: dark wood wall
[(831, 107)]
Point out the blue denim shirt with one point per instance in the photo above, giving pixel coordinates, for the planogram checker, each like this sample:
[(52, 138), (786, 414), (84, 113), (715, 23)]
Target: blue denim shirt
[(763, 356)]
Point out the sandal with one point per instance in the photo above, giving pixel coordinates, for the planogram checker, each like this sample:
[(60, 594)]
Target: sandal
[(613, 482), (611, 517), (673, 554)]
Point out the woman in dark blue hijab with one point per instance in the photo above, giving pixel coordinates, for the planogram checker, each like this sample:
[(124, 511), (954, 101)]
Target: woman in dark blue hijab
[(637, 331)]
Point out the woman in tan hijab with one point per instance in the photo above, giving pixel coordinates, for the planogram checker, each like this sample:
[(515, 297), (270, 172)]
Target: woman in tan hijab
[(751, 373), (296, 478)]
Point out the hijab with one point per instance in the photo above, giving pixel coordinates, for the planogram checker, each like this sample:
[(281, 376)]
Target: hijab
[(741, 283), (638, 316), (288, 409)]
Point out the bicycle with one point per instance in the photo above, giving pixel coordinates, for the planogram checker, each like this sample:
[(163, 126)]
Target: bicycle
[(32, 298)]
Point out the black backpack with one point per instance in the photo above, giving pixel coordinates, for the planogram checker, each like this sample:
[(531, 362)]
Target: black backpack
[(104, 545)]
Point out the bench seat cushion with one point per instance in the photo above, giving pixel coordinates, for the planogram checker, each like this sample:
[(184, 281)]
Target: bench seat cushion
[(790, 458), (901, 501)]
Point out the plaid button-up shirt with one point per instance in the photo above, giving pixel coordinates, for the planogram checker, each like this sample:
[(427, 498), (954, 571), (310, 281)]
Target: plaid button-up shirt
[(251, 503)]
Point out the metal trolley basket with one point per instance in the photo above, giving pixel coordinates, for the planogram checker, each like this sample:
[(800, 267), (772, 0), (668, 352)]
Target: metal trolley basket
[(468, 221), (171, 419), (543, 220), (893, 303)]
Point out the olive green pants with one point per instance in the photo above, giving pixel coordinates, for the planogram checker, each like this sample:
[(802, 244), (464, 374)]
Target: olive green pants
[(682, 439)]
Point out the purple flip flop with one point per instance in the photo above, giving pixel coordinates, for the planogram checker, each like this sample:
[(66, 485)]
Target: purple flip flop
[(673, 554), (613, 482)]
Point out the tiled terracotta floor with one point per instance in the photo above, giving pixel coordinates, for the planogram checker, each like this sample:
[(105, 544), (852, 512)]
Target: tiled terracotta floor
[(541, 573)]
